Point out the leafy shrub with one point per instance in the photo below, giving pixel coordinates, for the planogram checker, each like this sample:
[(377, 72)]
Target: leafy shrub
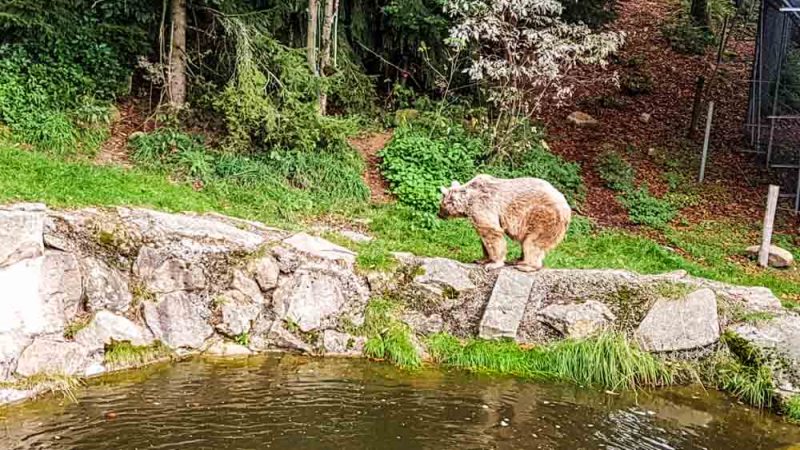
[(416, 165), (617, 173), (538, 162), (593, 13), (685, 37), (644, 209), (637, 83)]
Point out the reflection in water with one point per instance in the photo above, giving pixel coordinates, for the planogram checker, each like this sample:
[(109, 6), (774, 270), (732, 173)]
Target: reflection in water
[(290, 402)]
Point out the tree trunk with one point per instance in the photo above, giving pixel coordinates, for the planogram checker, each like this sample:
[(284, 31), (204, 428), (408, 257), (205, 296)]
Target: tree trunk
[(311, 39), (699, 11), (331, 8), (176, 90)]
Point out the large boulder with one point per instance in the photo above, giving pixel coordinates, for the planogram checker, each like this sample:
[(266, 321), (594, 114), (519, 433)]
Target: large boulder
[(21, 233), (343, 344), (105, 287), (106, 327), (444, 277), (577, 320), (302, 247), (315, 298), (179, 320), (778, 257), (23, 307), (54, 355), (237, 313), (163, 273), (774, 342), (506, 305), (682, 324)]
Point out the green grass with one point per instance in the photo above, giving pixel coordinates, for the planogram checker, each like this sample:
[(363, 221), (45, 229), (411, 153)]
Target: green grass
[(242, 339), (608, 361), (63, 384), (750, 384), (387, 337), (792, 409), (124, 354), (72, 328)]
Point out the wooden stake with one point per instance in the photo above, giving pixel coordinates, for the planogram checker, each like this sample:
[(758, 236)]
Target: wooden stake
[(769, 219), (705, 141)]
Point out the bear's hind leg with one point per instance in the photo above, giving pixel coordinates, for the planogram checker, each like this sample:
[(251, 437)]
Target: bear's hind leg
[(532, 255)]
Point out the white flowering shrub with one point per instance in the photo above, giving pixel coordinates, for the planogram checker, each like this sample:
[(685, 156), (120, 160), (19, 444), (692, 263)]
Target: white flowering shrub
[(522, 52)]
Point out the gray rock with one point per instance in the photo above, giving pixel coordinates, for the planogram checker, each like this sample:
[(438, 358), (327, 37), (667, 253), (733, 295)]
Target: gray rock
[(53, 355), (61, 287), (778, 257), (238, 313), (756, 299), (266, 272), (777, 343), (162, 273), (8, 396), (211, 232), (685, 324), (11, 346), (506, 305), (577, 320), (244, 284), (318, 248), (21, 234), (423, 324), (270, 334), (581, 119), (336, 343), (355, 236), (105, 327), (177, 319), (105, 288), (227, 349), (310, 299), (444, 277), (645, 117)]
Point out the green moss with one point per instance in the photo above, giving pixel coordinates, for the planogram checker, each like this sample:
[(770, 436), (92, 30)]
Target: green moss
[(609, 361), (75, 326), (124, 354)]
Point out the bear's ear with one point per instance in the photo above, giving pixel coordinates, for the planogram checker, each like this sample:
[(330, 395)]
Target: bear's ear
[(444, 190), (455, 185)]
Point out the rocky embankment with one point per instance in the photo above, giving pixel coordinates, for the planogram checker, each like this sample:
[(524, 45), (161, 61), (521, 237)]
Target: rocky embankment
[(75, 283)]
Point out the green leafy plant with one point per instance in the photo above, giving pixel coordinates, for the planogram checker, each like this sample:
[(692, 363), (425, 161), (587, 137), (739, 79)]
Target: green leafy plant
[(616, 172), (387, 337), (686, 37), (644, 209)]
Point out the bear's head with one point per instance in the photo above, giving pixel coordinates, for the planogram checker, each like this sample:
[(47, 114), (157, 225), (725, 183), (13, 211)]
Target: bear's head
[(454, 201)]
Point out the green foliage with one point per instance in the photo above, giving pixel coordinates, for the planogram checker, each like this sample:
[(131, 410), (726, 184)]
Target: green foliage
[(750, 384), (686, 37), (608, 361), (644, 209), (75, 326), (637, 83), (388, 338), (417, 165), (792, 409), (124, 354), (242, 339), (616, 172), (790, 79), (593, 13)]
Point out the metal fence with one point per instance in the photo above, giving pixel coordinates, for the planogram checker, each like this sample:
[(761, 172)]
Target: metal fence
[(773, 116)]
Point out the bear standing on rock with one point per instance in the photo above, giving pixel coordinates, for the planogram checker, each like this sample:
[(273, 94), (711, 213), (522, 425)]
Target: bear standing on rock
[(531, 211)]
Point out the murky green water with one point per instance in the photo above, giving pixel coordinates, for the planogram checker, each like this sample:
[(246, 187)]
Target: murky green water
[(289, 402)]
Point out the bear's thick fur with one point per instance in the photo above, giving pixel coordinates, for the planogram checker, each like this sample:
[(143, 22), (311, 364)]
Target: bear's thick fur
[(529, 210)]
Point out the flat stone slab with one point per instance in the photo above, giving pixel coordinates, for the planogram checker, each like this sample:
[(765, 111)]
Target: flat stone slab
[(577, 320), (506, 305), (684, 324), (441, 273), (320, 248), (778, 257)]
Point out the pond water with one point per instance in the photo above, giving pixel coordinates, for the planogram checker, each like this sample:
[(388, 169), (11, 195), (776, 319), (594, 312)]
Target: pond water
[(292, 402)]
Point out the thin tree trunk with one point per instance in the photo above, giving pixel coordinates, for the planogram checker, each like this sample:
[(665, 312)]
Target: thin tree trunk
[(311, 39), (331, 8), (177, 55)]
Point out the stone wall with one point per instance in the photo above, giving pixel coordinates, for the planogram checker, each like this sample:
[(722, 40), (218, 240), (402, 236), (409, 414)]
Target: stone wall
[(74, 282)]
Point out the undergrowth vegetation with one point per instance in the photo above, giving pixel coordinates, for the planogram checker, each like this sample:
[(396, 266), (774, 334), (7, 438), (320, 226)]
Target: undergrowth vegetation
[(388, 338), (607, 361), (123, 354)]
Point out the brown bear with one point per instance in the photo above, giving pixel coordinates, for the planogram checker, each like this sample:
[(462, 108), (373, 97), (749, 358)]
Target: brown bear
[(529, 210)]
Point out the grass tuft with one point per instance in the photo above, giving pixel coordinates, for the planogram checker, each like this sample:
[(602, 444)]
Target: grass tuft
[(389, 338), (750, 384), (122, 355), (609, 361), (53, 383), (792, 409)]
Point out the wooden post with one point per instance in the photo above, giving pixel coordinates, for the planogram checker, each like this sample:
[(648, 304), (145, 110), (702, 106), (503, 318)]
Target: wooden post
[(705, 141), (769, 219), (698, 97)]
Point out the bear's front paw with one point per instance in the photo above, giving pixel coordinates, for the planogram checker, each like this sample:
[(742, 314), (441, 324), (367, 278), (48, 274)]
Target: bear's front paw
[(495, 265)]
